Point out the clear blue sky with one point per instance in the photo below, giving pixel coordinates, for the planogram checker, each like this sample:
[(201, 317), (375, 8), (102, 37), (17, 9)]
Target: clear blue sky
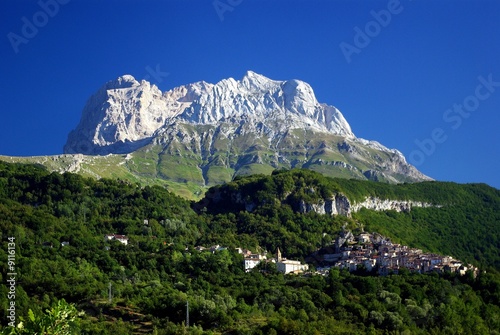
[(397, 88)]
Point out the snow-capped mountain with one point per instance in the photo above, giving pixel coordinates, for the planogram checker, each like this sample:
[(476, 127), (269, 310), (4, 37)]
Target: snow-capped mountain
[(214, 131)]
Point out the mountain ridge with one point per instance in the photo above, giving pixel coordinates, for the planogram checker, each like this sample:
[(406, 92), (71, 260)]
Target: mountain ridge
[(126, 110), (207, 133)]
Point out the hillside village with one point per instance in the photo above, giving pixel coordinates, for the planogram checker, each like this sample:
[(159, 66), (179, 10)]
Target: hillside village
[(376, 252), (368, 251), (372, 252)]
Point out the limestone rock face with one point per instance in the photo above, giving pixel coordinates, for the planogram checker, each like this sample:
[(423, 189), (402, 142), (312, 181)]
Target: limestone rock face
[(340, 205), (125, 114), (377, 204), (232, 125)]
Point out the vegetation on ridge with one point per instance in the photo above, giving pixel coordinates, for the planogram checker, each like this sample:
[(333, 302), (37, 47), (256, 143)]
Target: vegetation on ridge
[(154, 275), (465, 216), (193, 158)]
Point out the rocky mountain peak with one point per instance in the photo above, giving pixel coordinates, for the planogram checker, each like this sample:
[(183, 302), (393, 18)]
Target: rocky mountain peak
[(119, 117), (124, 114), (256, 82), (229, 125), (125, 81)]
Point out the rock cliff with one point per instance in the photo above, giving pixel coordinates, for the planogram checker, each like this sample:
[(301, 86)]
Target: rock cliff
[(208, 133), (340, 205)]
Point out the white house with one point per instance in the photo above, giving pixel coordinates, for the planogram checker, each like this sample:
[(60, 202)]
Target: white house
[(252, 260), (216, 247), (364, 238), (121, 238), (250, 263), (288, 265)]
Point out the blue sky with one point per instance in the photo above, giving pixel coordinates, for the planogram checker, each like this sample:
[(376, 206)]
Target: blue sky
[(419, 76)]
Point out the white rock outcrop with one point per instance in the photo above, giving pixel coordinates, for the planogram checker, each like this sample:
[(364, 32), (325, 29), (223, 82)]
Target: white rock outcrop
[(340, 205), (378, 204), (337, 205)]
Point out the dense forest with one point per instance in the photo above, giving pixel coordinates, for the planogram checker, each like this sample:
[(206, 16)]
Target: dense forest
[(87, 285)]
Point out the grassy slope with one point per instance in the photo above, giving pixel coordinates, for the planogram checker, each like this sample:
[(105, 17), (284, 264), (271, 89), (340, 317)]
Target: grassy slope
[(188, 167), (138, 169)]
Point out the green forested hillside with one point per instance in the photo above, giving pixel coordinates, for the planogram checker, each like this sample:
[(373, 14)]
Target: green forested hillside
[(464, 221), (159, 270)]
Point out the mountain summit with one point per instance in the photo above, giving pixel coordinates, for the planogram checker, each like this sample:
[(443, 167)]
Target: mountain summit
[(207, 133), (125, 112)]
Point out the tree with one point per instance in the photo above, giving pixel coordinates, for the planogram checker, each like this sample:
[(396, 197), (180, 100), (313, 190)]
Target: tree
[(61, 319)]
